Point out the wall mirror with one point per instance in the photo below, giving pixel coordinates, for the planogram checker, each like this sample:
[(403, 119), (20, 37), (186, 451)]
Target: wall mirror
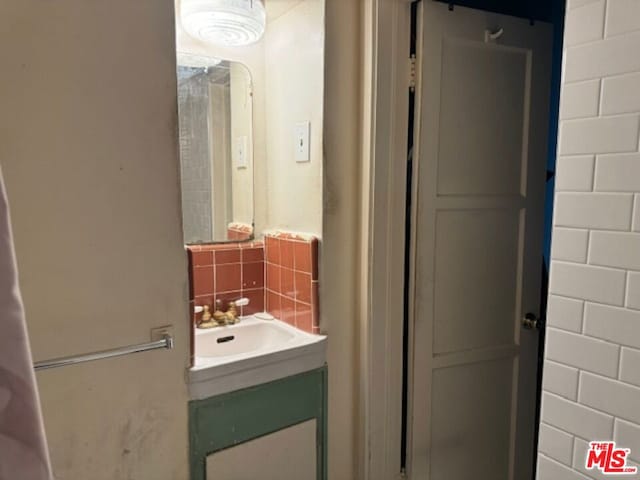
[(215, 112)]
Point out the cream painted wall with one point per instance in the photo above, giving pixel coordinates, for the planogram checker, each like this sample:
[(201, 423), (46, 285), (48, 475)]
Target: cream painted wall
[(242, 185), (294, 55), (339, 262), (88, 147)]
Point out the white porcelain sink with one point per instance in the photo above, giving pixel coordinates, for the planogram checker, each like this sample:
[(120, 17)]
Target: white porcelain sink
[(249, 353), (242, 338)]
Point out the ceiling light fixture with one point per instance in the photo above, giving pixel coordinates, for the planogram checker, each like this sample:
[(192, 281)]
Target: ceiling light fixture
[(224, 22)]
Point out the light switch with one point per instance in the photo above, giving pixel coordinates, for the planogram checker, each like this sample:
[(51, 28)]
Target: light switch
[(241, 152), (301, 137)]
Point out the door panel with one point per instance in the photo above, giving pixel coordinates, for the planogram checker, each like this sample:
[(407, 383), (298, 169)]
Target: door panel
[(474, 308), (474, 439), (480, 184), (493, 81)]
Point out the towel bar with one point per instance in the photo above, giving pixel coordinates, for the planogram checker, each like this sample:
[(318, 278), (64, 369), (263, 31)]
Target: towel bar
[(166, 343)]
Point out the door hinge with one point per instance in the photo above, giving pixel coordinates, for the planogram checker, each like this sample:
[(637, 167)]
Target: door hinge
[(412, 72)]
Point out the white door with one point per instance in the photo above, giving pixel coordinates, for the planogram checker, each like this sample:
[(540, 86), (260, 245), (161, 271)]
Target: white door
[(478, 246)]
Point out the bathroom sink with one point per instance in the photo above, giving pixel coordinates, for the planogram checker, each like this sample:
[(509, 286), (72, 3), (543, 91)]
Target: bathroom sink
[(242, 338), (249, 353)]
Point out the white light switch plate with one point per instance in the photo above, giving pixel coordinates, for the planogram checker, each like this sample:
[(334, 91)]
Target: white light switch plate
[(241, 152), (301, 138)]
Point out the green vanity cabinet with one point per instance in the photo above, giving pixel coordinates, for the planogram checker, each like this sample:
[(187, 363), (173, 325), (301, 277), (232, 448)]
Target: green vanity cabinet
[(231, 419)]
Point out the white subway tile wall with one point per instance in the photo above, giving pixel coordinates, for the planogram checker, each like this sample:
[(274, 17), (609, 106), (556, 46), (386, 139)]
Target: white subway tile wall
[(629, 371), (556, 444), (599, 135), (623, 16), (610, 211), (582, 352), (549, 469), (618, 173), (586, 24), (620, 94), (633, 291), (603, 285), (591, 377), (570, 244), (565, 313), (615, 249), (628, 434), (576, 173), (604, 58), (560, 379), (580, 99), (578, 420), (613, 324)]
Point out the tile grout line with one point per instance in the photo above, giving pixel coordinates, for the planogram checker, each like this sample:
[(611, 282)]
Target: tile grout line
[(605, 17), (564, 430), (578, 383), (625, 300), (600, 96), (619, 375)]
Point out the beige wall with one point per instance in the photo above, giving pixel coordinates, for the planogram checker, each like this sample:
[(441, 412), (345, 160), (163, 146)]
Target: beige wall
[(242, 187), (294, 74), (339, 282), (88, 147)]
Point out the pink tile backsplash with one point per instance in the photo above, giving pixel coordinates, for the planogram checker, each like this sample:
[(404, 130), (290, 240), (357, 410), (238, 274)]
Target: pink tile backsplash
[(292, 279), (279, 275), (227, 272)]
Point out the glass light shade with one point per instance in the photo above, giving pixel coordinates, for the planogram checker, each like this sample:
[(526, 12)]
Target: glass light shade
[(224, 22)]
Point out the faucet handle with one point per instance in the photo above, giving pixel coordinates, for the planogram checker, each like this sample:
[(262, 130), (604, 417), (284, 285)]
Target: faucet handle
[(242, 302), (232, 314)]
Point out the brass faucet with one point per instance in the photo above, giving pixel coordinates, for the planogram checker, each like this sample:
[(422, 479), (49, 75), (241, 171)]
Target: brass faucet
[(219, 318), (232, 314)]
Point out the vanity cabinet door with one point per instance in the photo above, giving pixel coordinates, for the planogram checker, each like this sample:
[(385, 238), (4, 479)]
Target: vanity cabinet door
[(288, 454)]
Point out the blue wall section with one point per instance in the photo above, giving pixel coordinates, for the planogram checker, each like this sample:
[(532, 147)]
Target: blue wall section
[(556, 78), (533, 9)]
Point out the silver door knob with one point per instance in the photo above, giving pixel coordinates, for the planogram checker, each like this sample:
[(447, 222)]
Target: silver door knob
[(530, 321)]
